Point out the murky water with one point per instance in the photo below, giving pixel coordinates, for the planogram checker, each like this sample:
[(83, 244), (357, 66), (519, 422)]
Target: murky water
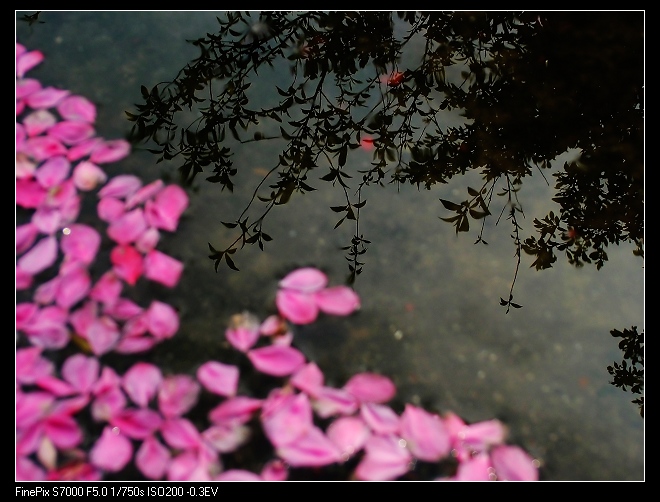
[(430, 316)]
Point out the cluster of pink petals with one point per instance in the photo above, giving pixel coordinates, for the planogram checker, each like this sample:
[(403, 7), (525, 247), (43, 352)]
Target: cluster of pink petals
[(142, 413), (303, 293), (58, 159)]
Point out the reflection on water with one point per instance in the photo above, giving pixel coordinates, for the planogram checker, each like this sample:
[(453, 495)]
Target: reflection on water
[(430, 315)]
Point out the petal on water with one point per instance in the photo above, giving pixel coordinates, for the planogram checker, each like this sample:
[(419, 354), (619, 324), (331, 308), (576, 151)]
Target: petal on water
[(162, 268), (112, 451), (141, 382), (338, 300), (277, 360), (512, 463), (297, 307), (371, 387), (305, 280), (219, 378), (42, 255)]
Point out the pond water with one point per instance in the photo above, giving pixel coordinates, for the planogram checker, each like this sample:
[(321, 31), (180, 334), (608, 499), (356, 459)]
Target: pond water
[(430, 316)]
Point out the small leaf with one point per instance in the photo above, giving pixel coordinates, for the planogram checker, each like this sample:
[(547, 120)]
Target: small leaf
[(464, 225), (231, 263), (450, 205)]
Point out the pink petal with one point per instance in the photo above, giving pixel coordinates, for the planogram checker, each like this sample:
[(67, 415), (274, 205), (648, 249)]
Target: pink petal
[(180, 433), (237, 475), (47, 97), (227, 437), (477, 468), (110, 209), (313, 449), (385, 459), (29, 193), (71, 132), (349, 434), (286, 417), (219, 378), (371, 387), (77, 108), (25, 87), (73, 287), (330, 401), (243, 331), (162, 320), (239, 408), (87, 176), (141, 383), (145, 193), (25, 168), (305, 280), (82, 318), (42, 255), (427, 437), (26, 470), (32, 407), (30, 366), (167, 207), (110, 151), (124, 309), (63, 431), (275, 470), (177, 395), (512, 463), (277, 360), (23, 280), (53, 172), (381, 418), (107, 404), (299, 308), (272, 325), (112, 451), (55, 386), (26, 235), (81, 243), (308, 379), (481, 436), (152, 458), (137, 423), (38, 122), (47, 328), (122, 186), (128, 228), (26, 61), (162, 268), (129, 345), (46, 291), (338, 300), (102, 335), (43, 147), (148, 241), (81, 371), (83, 149), (187, 467), (25, 312), (127, 263)]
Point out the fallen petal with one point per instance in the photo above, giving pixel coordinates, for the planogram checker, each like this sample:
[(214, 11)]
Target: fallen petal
[(338, 300), (305, 280), (112, 451), (297, 307), (219, 378), (277, 360)]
